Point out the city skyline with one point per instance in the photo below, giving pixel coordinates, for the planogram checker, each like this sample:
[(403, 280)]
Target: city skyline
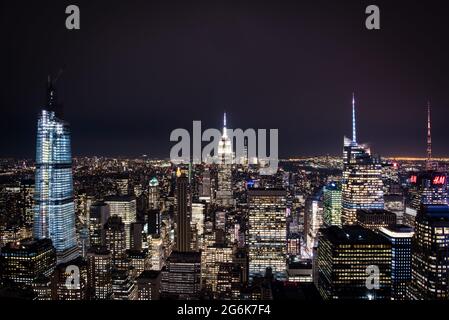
[(224, 154), (132, 74), (425, 157)]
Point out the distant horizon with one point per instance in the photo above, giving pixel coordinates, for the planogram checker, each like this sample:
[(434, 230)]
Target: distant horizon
[(289, 158)]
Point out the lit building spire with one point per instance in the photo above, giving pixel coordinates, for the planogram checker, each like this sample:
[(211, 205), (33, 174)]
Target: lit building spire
[(354, 136), (429, 137), (225, 134)]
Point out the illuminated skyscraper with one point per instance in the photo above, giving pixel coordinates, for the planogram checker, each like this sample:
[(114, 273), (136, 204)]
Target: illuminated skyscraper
[(313, 221), (99, 268), (54, 212), (229, 281), (125, 208), (63, 272), (181, 277), (428, 187), (99, 214), (157, 253), (139, 260), (400, 237), (267, 232), (26, 260), (213, 257), (153, 194), (332, 205), (206, 184), (115, 242), (362, 186), (429, 164), (225, 158), (123, 286), (430, 254), (343, 257)]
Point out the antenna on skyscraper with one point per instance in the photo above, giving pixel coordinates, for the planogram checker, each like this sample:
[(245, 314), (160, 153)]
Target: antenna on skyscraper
[(225, 134), (60, 72), (429, 137), (52, 103), (354, 135)]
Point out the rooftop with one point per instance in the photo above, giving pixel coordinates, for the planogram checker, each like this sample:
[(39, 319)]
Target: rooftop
[(353, 235)]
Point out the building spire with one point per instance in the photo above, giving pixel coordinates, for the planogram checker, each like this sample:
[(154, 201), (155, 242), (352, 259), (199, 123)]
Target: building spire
[(429, 137), (52, 103), (354, 135), (51, 94), (225, 134)]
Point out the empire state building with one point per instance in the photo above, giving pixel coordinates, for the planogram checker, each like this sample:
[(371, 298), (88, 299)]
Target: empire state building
[(225, 158)]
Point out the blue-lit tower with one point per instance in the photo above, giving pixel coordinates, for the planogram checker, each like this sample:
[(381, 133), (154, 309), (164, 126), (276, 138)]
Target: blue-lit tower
[(362, 185), (54, 212)]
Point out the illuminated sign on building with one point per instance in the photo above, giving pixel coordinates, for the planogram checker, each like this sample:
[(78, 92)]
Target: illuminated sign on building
[(439, 180)]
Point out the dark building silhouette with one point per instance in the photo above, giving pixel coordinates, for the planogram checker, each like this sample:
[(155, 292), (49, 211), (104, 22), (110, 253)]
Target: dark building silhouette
[(183, 232)]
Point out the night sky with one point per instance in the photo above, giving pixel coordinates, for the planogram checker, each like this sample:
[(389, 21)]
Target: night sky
[(139, 69)]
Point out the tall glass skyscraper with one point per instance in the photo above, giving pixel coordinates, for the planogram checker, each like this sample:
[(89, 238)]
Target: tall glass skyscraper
[(362, 185), (54, 212), (332, 204)]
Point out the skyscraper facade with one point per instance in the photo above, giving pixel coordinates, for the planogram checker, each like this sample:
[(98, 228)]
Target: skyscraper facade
[(332, 204), (343, 258), (26, 260), (362, 185), (212, 258), (430, 254), (125, 208), (115, 242), (313, 221), (54, 212), (183, 216), (400, 237), (428, 187), (99, 268), (181, 277), (267, 239), (99, 214), (153, 194), (375, 219)]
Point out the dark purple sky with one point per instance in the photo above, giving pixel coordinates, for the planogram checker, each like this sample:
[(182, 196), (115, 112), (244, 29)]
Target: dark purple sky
[(138, 69)]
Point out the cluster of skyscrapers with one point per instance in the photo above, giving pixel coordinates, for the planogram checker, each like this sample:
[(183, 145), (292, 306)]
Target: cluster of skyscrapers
[(222, 231)]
